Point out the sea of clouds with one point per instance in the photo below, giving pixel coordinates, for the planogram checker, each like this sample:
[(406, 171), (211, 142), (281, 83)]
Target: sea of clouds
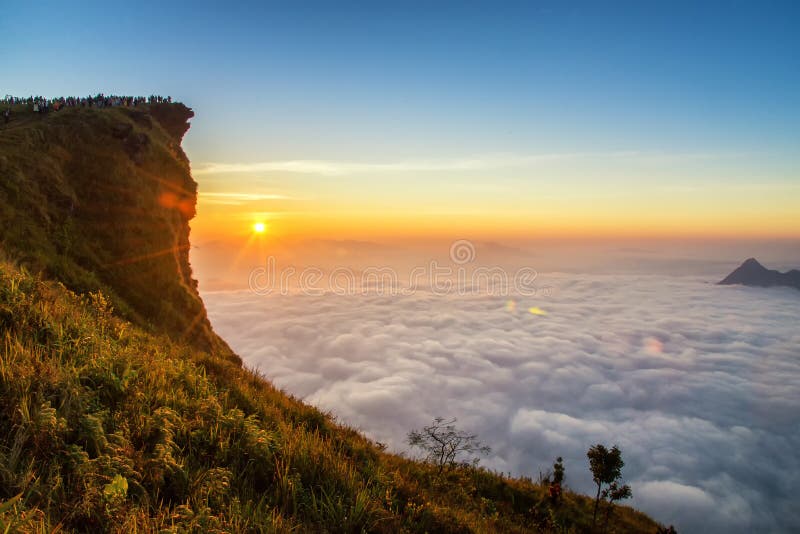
[(699, 384)]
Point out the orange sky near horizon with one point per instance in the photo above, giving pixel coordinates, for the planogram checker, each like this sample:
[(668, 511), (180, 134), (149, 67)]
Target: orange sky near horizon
[(658, 221), (610, 195)]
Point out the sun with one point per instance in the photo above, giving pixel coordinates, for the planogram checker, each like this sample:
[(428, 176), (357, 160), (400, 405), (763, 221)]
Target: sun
[(259, 227)]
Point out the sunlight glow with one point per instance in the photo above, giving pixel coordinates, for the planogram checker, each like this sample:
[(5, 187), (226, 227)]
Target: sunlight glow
[(259, 227)]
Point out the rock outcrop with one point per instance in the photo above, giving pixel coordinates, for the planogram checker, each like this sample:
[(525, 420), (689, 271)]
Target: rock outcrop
[(752, 273), (101, 200)]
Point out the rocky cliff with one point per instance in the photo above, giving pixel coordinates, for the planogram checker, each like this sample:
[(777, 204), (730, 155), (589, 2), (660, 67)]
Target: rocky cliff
[(101, 200)]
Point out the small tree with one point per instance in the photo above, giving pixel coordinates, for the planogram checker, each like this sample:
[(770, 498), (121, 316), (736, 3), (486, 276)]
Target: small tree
[(615, 492), (558, 479), (558, 471), (606, 466), (443, 443)]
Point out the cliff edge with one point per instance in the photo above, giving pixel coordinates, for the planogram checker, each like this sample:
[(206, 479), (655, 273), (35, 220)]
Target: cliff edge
[(101, 201)]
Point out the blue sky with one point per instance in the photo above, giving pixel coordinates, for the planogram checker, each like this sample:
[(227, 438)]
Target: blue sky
[(730, 70)]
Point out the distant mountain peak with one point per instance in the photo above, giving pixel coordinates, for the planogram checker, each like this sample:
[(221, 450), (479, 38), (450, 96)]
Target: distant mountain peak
[(752, 273)]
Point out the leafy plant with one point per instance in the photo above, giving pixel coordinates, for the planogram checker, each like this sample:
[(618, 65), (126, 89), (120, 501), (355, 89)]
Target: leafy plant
[(615, 492), (116, 490), (606, 466)]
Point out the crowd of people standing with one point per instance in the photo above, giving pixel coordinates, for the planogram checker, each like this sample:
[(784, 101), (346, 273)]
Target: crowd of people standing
[(39, 104)]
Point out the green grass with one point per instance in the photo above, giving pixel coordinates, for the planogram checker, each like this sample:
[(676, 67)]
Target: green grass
[(113, 419)]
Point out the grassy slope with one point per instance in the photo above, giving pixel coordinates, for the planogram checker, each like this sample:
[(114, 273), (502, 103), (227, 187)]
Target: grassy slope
[(120, 421)]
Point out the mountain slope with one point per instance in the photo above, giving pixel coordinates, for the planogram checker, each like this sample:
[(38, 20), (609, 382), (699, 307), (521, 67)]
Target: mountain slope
[(122, 411), (752, 273)]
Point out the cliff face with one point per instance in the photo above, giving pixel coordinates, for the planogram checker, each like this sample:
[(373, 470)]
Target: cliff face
[(101, 200)]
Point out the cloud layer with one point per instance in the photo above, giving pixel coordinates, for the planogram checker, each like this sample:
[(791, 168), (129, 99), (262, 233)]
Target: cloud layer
[(699, 384), (468, 163)]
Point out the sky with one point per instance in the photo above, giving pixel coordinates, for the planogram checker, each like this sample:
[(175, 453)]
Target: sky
[(498, 121)]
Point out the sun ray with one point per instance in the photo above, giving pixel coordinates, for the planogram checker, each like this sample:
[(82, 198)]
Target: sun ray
[(144, 257)]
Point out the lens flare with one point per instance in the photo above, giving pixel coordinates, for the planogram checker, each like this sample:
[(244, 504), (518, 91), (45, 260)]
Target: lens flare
[(653, 346)]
